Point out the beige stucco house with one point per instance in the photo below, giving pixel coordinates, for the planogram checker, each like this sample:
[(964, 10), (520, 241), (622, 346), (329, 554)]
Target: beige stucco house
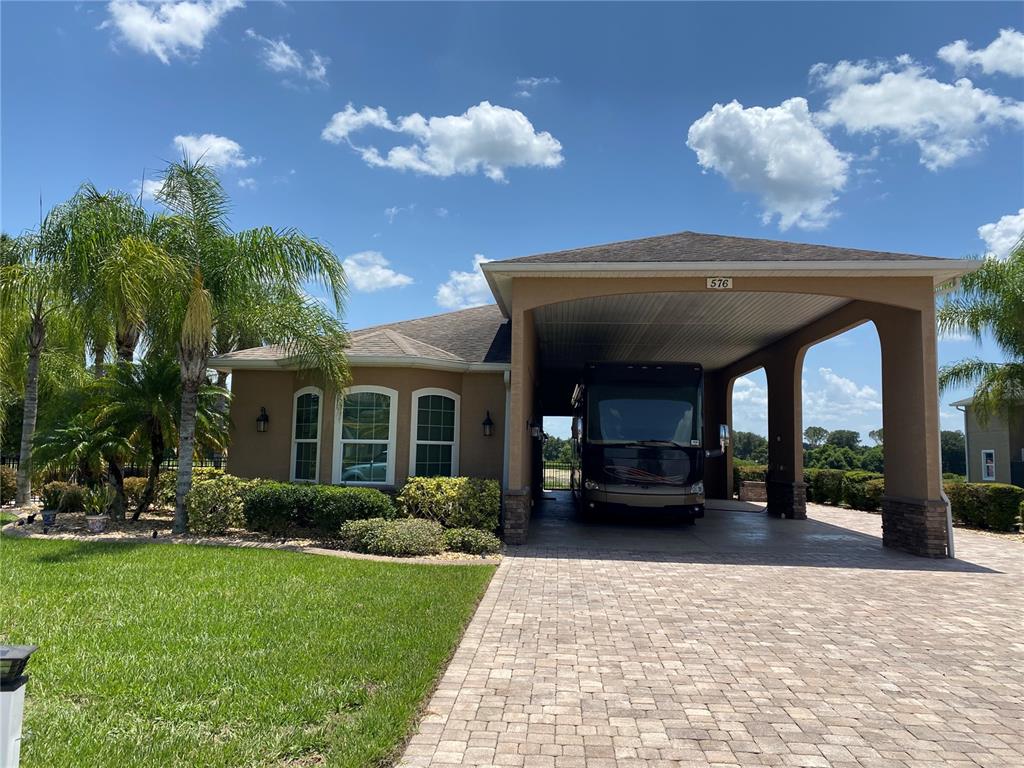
[(422, 389), (995, 448)]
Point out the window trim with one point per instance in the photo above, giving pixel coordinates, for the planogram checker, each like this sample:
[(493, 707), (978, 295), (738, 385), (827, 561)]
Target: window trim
[(339, 441), (414, 425), (985, 477), (319, 432)]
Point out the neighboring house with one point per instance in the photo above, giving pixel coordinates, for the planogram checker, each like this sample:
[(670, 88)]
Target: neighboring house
[(466, 392), (995, 450)]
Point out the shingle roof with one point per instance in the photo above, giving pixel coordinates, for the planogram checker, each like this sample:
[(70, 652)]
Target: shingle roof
[(477, 335), (699, 247)]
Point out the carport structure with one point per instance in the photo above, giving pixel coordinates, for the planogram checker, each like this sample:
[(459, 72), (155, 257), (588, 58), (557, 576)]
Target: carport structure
[(653, 300)]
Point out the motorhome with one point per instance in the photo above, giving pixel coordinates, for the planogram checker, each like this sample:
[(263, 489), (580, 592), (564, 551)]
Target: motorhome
[(637, 435)]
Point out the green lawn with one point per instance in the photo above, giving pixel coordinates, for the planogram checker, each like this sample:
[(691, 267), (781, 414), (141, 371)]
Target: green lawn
[(161, 655)]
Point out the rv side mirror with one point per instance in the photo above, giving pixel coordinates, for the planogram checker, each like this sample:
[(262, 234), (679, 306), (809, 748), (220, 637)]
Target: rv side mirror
[(723, 435)]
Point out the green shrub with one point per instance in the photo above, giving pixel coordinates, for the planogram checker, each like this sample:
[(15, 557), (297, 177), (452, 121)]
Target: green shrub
[(809, 474), (966, 501), (856, 492), (953, 476), (471, 541), (399, 538), (328, 506), (828, 486), (51, 494), (74, 499), (214, 505), (94, 501), (273, 507), (8, 484), (454, 502), (276, 508), (750, 472), (1002, 506), (167, 481), (133, 489)]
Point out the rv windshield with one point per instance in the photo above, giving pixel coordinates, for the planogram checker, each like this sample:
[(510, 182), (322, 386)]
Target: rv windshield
[(637, 413)]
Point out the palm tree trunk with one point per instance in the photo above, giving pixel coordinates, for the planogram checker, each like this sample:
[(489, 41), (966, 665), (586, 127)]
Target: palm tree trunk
[(99, 355), (36, 335), (156, 458), (186, 448), (115, 478), (127, 339)]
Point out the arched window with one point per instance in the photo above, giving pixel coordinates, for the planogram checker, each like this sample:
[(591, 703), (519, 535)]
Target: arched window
[(434, 448), (365, 436), (306, 435)]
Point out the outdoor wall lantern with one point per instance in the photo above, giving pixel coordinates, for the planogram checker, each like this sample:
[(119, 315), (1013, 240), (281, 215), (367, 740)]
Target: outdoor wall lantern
[(534, 429), (488, 425), (13, 659), (262, 420)]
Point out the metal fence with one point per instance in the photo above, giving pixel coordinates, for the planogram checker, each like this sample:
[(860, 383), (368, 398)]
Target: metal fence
[(556, 475), (138, 468)]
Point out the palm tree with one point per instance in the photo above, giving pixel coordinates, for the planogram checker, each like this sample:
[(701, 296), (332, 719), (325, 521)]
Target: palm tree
[(220, 272), (33, 291), (142, 401), (990, 299), (116, 268)]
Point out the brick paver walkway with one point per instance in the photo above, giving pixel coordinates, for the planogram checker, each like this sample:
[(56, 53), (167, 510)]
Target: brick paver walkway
[(601, 648)]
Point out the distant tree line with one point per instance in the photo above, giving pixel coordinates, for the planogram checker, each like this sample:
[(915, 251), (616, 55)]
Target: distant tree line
[(842, 449)]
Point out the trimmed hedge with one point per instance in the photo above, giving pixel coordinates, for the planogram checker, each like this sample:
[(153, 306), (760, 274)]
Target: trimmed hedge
[(994, 506), (133, 489), (8, 484), (407, 537), (215, 505), (752, 472), (863, 490), (167, 481), (454, 502), (471, 541), (275, 507), (827, 487)]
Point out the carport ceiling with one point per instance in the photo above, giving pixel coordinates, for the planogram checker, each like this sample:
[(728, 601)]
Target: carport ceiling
[(713, 329)]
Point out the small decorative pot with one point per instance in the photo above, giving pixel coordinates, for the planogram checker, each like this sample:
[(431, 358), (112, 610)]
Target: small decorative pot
[(49, 517), (96, 523)]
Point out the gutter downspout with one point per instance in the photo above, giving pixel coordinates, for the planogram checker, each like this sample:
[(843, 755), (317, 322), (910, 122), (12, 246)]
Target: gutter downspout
[(506, 442)]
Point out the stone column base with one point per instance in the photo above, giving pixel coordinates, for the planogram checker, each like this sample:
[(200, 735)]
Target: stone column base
[(516, 519), (787, 499), (917, 526)]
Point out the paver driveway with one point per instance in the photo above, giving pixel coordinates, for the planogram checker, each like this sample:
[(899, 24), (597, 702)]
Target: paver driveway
[(742, 640)]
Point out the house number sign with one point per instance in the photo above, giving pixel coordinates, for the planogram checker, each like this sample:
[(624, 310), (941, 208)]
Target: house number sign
[(720, 283)]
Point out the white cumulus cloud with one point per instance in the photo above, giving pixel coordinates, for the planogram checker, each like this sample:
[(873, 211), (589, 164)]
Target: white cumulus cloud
[(167, 29), (777, 153), (527, 85), (216, 151), (369, 272), (278, 56), (465, 289), (1000, 236), (148, 189), (1005, 55), (839, 402), (947, 121), (486, 138)]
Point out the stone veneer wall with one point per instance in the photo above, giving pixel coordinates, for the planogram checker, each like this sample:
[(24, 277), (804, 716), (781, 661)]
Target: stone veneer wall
[(516, 517), (914, 525), (786, 499)]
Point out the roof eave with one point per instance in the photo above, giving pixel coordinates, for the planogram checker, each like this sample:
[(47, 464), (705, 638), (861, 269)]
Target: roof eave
[(365, 361), (499, 275)]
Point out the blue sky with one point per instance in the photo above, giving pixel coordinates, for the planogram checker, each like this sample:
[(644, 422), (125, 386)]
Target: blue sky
[(530, 127)]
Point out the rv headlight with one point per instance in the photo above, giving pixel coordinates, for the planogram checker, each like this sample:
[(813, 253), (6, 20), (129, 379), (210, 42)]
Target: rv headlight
[(590, 485), (697, 488)]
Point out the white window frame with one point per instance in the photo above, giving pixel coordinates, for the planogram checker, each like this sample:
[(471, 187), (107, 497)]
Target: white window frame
[(985, 477), (319, 432), (339, 441), (414, 420)]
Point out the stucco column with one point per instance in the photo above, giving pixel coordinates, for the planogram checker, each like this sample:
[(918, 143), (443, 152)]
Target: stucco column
[(717, 411), (787, 494), (913, 512), (517, 498)]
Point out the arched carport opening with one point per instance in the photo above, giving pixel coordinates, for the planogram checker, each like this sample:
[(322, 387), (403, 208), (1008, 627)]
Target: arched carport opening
[(734, 284)]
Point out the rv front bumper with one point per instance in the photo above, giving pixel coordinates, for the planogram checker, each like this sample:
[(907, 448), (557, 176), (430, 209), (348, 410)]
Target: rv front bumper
[(651, 497)]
